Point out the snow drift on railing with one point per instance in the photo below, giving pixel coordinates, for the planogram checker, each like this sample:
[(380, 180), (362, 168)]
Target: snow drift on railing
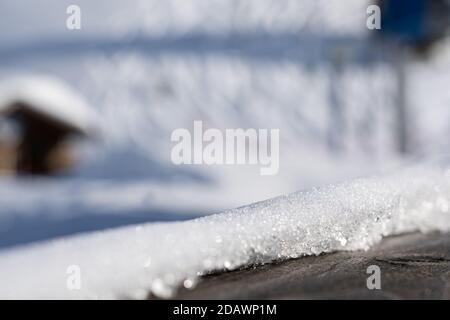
[(134, 261)]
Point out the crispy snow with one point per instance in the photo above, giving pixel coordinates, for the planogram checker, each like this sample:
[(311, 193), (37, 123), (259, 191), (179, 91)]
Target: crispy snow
[(158, 258)]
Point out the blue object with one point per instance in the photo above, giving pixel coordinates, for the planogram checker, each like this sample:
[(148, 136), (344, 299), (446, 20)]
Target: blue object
[(405, 20)]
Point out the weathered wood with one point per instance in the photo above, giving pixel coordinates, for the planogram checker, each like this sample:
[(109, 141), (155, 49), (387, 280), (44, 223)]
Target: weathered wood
[(413, 266)]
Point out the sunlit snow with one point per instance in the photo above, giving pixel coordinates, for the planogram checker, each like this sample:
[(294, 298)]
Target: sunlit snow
[(158, 258)]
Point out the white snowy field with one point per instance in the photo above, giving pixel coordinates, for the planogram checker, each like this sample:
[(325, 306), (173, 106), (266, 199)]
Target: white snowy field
[(130, 262), (126, 174), (110, 19), (160, 65)]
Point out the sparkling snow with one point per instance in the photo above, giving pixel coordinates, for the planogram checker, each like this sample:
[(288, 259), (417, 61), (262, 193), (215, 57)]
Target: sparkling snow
[(132, 261)]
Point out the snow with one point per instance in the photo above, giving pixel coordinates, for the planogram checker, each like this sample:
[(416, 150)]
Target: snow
[(262, 64), (50, 96), (103, 197), (130, 262), (109, 18), (142, 97)]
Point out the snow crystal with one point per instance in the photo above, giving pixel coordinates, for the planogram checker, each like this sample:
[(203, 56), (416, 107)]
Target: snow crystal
[(132, 262)]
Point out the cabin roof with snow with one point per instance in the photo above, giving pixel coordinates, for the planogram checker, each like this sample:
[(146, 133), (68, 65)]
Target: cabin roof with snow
[(42, 112), (48, 98)]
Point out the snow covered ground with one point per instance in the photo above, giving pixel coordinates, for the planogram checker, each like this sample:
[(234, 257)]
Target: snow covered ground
[(160, 65)]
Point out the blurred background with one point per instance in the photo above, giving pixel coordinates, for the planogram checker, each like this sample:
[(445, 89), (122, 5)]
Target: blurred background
[(86, 115)]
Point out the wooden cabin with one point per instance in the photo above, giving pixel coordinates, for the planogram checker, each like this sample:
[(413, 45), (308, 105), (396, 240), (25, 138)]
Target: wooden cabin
[(38, 120)]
